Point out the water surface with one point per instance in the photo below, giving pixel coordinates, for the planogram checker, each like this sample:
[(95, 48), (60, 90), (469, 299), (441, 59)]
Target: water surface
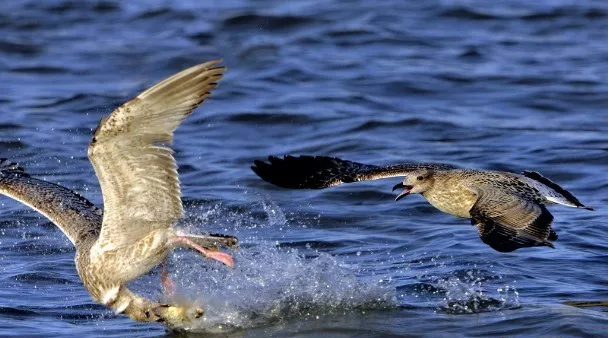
[(509, 86)]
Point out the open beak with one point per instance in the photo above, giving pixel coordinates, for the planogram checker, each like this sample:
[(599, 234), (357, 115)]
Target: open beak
[(406, 191)]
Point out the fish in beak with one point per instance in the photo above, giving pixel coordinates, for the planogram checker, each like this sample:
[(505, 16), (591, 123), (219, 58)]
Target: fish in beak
[(406, 191)]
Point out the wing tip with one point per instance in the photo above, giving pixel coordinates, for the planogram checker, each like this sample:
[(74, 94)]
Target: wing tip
[(9, 167), (537, 176), (211, 64), (267, 172), (307, 172), (286, 172), (192, 85)]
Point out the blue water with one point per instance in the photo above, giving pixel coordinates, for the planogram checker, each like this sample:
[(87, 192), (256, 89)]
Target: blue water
[(508, 85)]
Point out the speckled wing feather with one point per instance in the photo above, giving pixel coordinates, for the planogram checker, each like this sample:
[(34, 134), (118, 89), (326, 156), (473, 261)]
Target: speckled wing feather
[(318, 172), (132, 159), (73, 214), (507, 222)]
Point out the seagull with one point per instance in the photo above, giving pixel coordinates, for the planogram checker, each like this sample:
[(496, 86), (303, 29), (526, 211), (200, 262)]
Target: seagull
[(508, 209), (141, 192)]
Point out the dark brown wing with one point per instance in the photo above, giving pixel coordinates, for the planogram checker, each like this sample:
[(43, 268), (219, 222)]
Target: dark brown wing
[(508, 222), (318, 172)]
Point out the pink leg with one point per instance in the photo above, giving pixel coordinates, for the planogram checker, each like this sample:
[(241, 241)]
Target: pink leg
[(213, 254), (169, 286)]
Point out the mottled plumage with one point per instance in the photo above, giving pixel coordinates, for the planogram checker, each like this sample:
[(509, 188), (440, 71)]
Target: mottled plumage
[(141, 190), (508, 209), (77, 218)]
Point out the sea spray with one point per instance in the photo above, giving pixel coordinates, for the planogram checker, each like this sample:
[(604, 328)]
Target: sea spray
[(272, 284), (269, 283)]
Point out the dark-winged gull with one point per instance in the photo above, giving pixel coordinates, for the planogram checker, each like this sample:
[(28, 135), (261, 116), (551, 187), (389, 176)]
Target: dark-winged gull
[(508, 209), (141, 191)]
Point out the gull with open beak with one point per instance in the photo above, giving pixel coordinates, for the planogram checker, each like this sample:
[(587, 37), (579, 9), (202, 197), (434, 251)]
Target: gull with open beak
[(508, 209), (407, 189)]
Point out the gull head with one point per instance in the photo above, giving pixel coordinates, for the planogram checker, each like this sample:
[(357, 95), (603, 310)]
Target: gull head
[(416, 182)]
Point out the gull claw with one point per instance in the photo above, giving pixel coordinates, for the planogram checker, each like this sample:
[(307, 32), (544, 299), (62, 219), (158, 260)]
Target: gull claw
[(175, 315)]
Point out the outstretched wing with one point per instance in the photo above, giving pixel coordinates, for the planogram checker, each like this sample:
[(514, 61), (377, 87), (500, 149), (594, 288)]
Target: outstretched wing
[(318, 172), (507, 222), (73, 214), (132, 159)]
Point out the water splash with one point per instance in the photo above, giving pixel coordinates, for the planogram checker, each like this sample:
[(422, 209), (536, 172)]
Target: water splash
[(469, 295), (274, 213), (458, 287), (270, 284)]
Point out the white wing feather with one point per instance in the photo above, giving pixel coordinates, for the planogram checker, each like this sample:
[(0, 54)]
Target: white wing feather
[(132, 159)]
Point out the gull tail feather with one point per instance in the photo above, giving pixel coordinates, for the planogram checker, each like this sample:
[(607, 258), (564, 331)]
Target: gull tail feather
[(554, 192)]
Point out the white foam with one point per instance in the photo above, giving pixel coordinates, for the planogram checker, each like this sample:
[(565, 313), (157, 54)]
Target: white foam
[(269, 283), (470, 295)]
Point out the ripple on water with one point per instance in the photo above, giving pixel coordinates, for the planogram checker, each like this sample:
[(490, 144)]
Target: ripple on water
[(519, 86)]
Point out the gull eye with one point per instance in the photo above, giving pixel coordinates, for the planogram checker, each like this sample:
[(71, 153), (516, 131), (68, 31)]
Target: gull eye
[(419, 178)]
